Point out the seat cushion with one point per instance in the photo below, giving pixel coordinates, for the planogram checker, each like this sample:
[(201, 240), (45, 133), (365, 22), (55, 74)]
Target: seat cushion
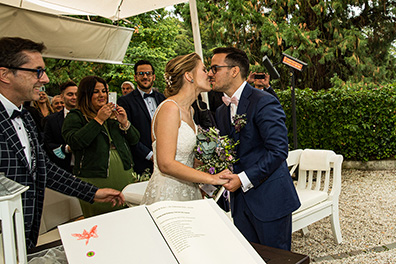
[(134, 192), (309, 198)]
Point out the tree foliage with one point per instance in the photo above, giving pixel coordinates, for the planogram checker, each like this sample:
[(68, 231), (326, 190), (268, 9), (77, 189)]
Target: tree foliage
[(340, 40), (348, 39)]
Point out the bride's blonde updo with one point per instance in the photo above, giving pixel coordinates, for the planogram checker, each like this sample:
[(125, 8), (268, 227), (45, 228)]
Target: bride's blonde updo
[(175, 69)]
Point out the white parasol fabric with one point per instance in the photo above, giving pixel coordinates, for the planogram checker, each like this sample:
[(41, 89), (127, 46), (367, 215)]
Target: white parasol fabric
[(76, 39), (65, 37)]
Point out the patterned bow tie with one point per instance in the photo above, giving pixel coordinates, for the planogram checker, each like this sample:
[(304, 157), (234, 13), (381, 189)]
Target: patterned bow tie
[(17, 113), (227, 101), (145, 95)]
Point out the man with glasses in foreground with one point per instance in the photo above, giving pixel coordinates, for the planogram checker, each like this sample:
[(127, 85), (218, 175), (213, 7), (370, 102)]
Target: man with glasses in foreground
[(140, 106), (263, 196), (22, 158)]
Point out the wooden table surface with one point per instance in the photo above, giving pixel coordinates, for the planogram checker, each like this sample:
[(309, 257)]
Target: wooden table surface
[(279, 256)]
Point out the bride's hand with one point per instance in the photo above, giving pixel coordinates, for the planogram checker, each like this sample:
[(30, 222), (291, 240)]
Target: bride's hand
[(218, 180)]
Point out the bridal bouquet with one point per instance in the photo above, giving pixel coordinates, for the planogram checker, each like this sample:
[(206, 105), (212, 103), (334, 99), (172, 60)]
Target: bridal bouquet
[(215, 152)]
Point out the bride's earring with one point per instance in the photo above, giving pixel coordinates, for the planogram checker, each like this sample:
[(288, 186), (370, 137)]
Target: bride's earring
[(188, 77)]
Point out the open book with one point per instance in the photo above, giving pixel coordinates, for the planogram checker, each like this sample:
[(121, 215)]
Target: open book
[(165, 232)]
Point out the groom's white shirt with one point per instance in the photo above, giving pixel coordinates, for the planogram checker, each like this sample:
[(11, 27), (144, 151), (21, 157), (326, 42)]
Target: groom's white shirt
[(246, 184)]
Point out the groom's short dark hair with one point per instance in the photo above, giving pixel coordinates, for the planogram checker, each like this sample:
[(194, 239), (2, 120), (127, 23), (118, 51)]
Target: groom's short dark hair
[(235, 57)]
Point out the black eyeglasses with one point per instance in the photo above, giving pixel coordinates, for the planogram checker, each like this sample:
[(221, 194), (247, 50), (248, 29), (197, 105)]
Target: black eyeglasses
[(148, 73), (214, 68), (39, 71)]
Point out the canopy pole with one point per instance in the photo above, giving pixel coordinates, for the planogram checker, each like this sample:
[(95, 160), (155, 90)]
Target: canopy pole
[(197, 38), (195, 27)]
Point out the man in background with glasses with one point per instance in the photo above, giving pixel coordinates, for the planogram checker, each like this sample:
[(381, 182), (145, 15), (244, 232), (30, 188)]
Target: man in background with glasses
[(22, 159), (140, 106)]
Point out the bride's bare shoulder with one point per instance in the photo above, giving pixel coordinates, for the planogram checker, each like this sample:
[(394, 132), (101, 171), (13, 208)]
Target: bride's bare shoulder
[(169, 106), (168, 110)]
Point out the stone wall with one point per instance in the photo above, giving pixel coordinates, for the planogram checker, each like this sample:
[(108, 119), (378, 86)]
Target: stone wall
[(370, 165)]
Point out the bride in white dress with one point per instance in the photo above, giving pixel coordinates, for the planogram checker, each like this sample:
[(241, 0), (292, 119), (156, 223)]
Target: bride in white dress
[(174, 135)]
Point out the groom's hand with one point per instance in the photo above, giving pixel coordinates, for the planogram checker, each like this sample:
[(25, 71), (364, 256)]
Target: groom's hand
[(107, 195), (233, 182)]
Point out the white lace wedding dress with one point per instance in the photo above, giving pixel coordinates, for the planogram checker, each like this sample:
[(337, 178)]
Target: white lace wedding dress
[(163, 187)]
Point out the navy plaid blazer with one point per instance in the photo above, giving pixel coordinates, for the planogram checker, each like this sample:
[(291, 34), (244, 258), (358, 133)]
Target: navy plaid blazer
[(15, 166)]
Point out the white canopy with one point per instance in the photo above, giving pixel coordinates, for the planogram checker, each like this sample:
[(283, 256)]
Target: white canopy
[(76, 39), (67, 38), (111, 9)]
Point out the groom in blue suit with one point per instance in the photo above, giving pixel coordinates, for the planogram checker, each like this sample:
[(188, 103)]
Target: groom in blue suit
[(263, 196)]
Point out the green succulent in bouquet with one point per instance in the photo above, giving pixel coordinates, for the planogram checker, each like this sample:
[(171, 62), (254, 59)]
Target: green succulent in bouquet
[(214, 151)]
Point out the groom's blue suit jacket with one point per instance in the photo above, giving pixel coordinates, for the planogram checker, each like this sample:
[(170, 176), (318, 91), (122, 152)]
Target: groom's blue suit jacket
[(262, 154)]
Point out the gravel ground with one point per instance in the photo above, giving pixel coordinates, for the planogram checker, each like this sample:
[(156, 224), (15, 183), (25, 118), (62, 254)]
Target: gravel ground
[(367, 218)]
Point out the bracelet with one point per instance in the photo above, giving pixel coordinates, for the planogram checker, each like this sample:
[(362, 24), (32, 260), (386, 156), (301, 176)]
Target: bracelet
[(125, 128)]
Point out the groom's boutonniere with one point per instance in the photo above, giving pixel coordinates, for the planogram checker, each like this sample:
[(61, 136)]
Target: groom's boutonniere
[(239, 122)]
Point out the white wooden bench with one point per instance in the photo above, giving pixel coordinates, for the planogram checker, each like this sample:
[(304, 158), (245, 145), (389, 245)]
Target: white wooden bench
[(318, 187)]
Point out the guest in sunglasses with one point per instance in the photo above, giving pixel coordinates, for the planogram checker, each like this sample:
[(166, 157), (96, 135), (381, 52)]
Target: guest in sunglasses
[(140, 106)]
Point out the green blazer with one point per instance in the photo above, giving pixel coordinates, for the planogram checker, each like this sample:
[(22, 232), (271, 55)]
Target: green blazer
[(90, 144)]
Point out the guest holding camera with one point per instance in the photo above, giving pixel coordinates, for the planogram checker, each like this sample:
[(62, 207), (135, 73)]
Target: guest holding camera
[(100, 137), (261, 81)]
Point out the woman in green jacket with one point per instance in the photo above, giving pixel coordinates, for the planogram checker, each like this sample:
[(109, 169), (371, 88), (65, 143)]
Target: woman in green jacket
[(100, 136)]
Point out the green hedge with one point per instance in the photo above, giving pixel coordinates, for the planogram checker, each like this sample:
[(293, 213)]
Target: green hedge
[(355, 120)]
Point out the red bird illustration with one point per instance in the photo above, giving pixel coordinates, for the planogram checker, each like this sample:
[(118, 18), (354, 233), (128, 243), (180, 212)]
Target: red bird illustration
[(87, 235)]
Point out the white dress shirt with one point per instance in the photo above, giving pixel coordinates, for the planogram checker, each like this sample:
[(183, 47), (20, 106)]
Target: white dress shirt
[(19, 127), (150, 102), (237, 95), (151, 105), (246, 183), (65, 112)]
